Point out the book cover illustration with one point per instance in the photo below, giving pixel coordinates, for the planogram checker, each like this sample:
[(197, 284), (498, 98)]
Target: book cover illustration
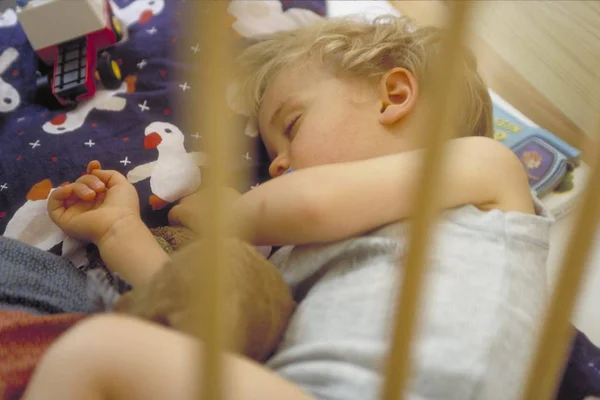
[(548, 160)]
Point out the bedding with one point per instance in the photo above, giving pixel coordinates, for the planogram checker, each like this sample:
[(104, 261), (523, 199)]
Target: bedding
[(59, 296), (30, 336), (41, 148), (134, 129)]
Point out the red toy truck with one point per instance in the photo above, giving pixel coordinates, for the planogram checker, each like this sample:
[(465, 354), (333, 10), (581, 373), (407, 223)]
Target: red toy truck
[(71, 50)]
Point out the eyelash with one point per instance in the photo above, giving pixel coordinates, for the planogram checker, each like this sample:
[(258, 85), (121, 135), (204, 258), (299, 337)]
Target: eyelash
[(290, 126)]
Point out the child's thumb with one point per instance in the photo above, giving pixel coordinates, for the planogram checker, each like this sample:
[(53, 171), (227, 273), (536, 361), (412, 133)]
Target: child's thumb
[(174, 215), (57, 198)]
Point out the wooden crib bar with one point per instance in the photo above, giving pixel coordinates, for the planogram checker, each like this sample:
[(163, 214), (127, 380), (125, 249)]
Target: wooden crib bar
[(210, 116), (445, 80), (555, 338)]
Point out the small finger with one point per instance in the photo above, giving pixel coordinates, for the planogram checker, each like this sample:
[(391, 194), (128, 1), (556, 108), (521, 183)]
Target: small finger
[(92, 165), (93, 182), (109, 177), (173, 216), (71, 201), (58, 196), (83, 191)]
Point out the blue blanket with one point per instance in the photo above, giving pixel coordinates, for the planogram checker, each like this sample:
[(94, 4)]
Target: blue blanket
[(40, 149)]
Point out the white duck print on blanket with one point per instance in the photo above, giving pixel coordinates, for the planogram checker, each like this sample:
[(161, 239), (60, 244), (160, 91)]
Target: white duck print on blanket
[(260, 17), (106, 100), (139, 11), (256, 18), (175, 174), (31, 224), (8, 18), (9, 97)]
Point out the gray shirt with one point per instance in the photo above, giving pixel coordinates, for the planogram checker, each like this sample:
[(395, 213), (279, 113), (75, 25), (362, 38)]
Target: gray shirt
[(485, 291)]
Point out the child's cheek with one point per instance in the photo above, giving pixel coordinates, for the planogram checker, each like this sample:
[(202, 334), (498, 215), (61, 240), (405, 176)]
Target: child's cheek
[(306, 153)]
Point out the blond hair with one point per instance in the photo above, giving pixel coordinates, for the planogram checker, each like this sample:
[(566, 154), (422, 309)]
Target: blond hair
[(363, 49)]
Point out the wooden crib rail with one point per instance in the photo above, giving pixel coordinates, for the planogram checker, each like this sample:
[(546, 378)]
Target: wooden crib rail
[(444, 78), (210, 23), (553, 345)]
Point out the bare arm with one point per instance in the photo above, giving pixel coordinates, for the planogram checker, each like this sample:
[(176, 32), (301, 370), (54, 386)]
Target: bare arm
[(131, 250), (337, 201), (119, 358)]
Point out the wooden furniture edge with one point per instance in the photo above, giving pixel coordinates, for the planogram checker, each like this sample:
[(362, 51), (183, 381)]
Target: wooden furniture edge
[(504, 79)]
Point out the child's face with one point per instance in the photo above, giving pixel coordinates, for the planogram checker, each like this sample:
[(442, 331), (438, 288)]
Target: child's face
[(310, 117)]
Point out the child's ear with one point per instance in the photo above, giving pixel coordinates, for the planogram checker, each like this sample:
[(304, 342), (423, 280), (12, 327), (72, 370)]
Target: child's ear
[(398, 93)]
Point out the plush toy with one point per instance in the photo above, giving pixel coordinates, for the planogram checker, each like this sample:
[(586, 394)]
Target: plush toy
[(259, 303)]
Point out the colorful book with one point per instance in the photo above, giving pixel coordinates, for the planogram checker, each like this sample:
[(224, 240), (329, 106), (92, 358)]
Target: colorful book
[(565, 197), (556, 174)]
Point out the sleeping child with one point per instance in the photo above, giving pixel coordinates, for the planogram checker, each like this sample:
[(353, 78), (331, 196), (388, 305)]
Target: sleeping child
[(344, 104)]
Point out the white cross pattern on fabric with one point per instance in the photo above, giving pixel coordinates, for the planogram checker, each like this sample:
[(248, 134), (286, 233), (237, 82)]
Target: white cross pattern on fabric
[(144, 106), (142, 64), (247, 156), (185, 86), (196, 135), (35, 144), (125, 161), (196, 48), (3, 186), (152, 30), (89, 143)]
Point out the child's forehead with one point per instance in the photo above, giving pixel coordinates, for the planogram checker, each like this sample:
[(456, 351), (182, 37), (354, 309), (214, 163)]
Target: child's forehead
[(307, 82), (296, 78), (287, 83), (297, 74)]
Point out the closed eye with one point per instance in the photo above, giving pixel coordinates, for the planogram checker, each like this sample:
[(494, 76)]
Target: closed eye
[(290, 127)]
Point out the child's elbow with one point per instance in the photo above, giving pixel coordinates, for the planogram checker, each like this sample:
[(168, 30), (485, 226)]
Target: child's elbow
[(503, 173)]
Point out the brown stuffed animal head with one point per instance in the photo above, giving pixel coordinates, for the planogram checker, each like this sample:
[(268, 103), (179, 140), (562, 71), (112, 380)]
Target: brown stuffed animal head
[(258, 303)]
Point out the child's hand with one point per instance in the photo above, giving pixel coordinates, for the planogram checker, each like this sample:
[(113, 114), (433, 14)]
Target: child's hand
[(191, 210), (90, 207)]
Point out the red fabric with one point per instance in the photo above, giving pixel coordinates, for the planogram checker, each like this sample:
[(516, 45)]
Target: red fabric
[(23, 340)]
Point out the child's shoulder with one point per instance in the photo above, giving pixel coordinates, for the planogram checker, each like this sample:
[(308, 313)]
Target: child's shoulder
[(481, 146), (500, 167), (489, 155)]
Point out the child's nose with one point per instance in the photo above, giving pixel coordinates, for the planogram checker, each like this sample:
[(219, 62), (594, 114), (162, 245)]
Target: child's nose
[(279, 166)]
